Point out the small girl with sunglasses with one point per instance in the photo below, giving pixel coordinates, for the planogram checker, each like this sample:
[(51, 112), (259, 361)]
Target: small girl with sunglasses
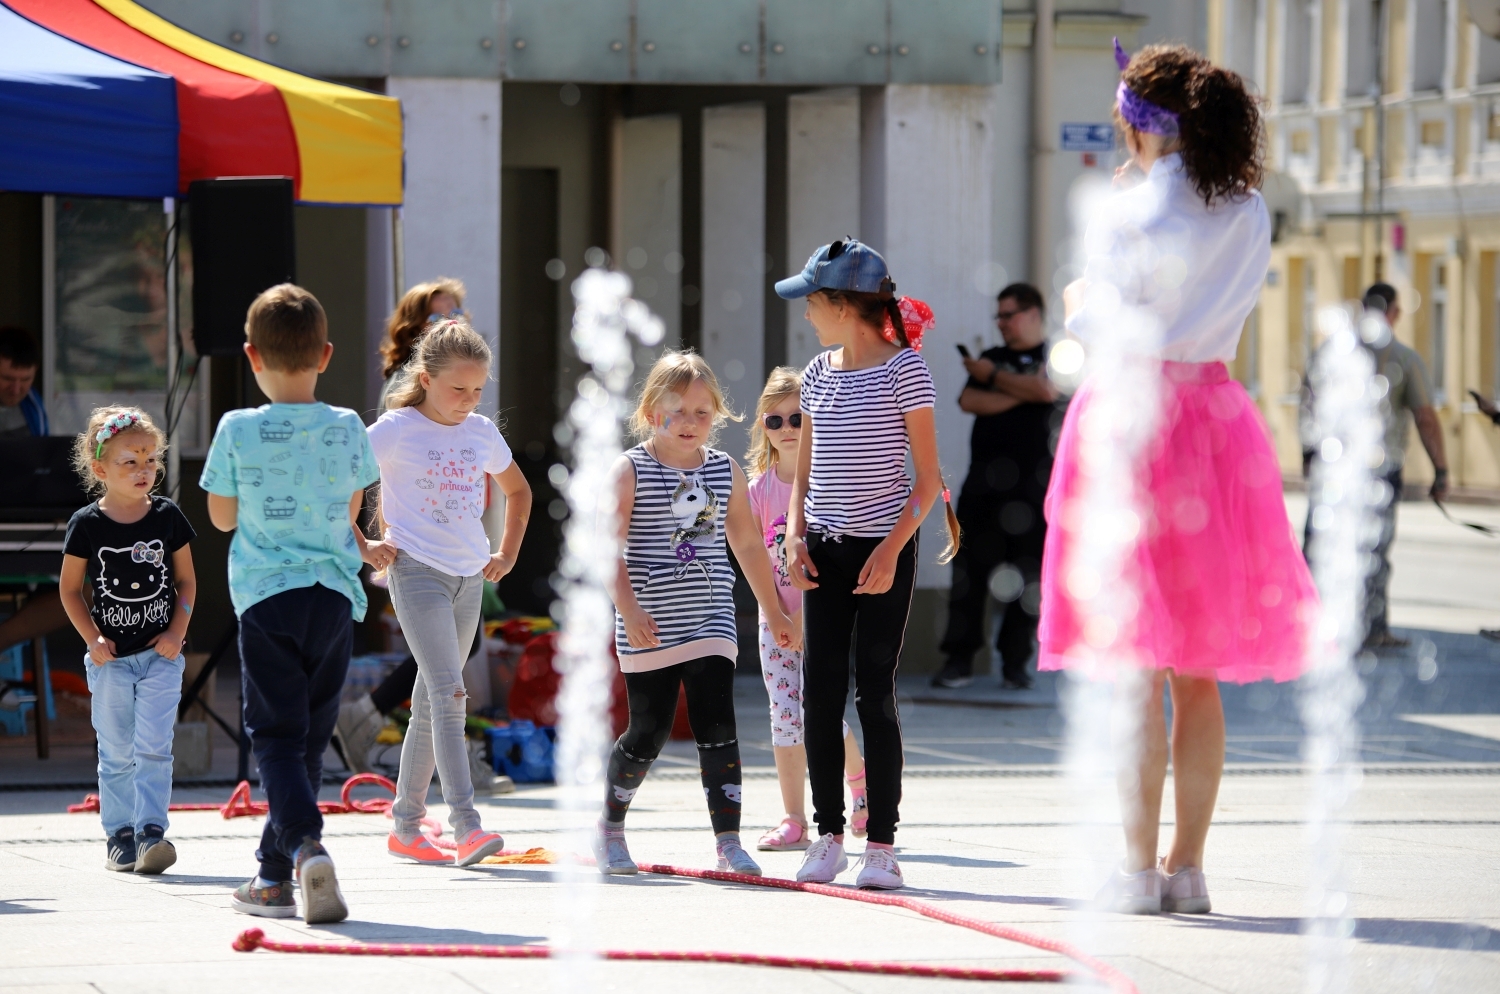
[(774, 440)]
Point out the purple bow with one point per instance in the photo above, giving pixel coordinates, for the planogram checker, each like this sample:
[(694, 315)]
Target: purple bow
[(1138, 112)]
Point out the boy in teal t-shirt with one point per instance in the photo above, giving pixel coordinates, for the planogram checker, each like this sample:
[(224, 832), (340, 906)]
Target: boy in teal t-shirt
[(288, 479)]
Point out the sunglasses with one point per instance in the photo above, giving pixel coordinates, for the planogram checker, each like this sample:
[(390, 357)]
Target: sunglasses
[(773, 421), (450, 316)]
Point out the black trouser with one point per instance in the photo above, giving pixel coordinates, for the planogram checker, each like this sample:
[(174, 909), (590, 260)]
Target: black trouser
[(294, 655), (709, 685), (1378, 579), (996, 530), (399, 683), (833, 617)]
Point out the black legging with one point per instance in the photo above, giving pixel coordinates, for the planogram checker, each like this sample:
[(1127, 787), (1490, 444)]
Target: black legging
[(709, 685), (876, 623)]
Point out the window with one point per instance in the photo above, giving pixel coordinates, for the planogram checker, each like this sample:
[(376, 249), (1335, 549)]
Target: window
[(1296, 72), (1437, 356), (1433, 133), (1428, 20), (1359, 49), (1301, 142)]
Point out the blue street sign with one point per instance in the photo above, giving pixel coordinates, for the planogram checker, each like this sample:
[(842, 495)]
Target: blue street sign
[(1088, 137)]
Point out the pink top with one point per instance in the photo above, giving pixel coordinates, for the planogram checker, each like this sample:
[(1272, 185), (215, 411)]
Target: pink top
[(769, 500)]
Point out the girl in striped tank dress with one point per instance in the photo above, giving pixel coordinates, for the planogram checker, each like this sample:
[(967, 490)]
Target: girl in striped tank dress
[(679, 501)]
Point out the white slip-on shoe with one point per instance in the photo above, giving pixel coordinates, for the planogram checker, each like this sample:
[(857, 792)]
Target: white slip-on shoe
[(879, 871), (1131, 893), (823, 861), (1184, 892), (611, 855)]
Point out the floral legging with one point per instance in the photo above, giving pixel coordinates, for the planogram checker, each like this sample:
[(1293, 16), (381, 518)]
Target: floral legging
[(782, 669)]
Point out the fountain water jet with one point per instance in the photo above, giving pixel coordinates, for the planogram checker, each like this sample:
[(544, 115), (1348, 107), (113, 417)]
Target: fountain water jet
[(604, 319), (1345, 498)]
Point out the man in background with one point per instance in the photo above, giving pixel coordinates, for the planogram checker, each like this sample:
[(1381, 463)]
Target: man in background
[(1409, 399), (1000, 506), (21, 410)]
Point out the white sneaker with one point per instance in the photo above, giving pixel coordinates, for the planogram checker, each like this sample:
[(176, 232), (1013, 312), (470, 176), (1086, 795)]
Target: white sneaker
[(358, 725), (611, 855), (1131, 893), (823, 862), (1184, 892), (879, 871)]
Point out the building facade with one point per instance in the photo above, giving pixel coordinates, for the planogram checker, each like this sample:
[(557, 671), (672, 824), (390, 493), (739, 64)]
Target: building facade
[(1431, 227)]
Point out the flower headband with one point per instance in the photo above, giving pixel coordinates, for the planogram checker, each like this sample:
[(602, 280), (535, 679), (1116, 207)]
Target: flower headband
[(1138, 112), (111, 428)]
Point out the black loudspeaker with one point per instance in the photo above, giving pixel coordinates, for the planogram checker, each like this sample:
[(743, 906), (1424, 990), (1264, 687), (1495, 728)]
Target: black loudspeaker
[(243, 242)]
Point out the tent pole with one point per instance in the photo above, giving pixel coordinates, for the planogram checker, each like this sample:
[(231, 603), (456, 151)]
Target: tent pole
[(174, 348)]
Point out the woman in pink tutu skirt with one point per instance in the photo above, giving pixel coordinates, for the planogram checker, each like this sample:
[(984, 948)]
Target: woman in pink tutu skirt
[(1212, 586)]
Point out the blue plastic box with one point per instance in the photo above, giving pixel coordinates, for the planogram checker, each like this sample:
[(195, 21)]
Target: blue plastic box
[(523, 752)]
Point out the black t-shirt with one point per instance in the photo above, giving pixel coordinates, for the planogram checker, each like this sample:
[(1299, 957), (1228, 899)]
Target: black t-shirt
[(131, 569), (1010, 454)]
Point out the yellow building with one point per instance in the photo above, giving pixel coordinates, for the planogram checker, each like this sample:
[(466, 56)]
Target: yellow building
[(1433, 229)]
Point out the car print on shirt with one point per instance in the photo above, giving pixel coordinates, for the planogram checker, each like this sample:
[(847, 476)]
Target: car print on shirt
[(250, 476), (336, 435), (279, 508), (276, 431)]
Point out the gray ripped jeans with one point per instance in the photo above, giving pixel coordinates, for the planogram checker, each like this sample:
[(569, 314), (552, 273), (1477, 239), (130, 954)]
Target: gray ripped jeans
[(438, 614)]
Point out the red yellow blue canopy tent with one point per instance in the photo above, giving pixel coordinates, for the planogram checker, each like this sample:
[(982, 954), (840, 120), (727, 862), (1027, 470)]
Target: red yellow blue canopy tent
[(235, 116)]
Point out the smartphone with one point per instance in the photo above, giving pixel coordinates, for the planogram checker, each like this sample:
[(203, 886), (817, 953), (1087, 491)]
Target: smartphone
[(963, 350)]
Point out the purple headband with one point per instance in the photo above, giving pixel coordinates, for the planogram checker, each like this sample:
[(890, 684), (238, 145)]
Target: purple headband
[(1138, 112)]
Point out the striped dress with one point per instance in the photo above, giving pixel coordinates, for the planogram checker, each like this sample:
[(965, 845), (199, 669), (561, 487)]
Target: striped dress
[(858, 485), (678, 561)]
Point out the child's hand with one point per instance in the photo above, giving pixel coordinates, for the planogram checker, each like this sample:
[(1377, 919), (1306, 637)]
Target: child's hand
[(102, 650), (800, 565), (640, 629), (879, 571), (168, 645), (380, 554), (499, 565), (797, 629), (784, 631)]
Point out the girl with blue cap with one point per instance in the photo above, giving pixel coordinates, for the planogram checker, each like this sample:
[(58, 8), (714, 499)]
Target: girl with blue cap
[(851, 534)]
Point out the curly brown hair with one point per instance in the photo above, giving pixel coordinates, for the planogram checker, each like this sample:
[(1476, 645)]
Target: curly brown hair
[(1220, 134), (410, 318)]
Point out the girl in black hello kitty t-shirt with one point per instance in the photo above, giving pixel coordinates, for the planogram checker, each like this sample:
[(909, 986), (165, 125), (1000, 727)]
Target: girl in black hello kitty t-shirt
[(130, 549)]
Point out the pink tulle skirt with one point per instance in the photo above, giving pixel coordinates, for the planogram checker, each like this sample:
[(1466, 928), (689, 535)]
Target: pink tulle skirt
[(1216, 584)]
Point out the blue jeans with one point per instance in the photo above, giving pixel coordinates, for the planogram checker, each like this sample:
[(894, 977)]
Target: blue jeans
[(438, 612), (134, 711), (294, 655)]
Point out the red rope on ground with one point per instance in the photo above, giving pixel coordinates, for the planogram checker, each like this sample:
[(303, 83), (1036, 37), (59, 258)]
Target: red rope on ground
[(240, 804), (1116, 981)]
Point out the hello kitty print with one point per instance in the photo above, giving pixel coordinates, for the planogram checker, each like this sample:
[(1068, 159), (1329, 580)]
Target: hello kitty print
[(435, 484), (130, 570)]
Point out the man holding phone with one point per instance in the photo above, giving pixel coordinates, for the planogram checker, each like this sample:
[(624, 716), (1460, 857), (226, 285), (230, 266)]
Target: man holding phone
[(1017, 415)]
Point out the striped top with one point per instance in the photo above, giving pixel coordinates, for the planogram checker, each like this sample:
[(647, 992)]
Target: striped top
[(858, 484), (678, 561)]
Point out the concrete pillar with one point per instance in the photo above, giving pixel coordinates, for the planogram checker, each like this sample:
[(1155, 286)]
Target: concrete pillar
[(823, 191), (935, 213), (734, 214), (451, 218), (646, 221)]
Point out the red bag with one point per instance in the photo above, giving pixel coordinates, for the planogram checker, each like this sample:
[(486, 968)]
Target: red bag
[(533, 696)]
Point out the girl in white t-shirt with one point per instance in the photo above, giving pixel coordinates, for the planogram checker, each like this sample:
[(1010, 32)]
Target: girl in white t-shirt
[(774, 441), (436, 459)]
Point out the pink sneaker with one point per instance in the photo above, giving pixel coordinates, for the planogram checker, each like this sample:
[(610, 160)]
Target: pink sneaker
[(477, 845), (859, 813), (790, 834)]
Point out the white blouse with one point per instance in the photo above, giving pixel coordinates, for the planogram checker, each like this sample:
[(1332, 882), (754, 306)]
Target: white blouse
[(1179, 275)]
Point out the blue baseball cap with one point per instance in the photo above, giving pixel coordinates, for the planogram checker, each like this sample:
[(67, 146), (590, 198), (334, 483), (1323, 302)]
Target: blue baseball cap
[(841, 265)]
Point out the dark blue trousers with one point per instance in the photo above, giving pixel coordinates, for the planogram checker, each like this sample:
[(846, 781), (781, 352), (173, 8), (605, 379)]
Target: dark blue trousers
[(294, 655)]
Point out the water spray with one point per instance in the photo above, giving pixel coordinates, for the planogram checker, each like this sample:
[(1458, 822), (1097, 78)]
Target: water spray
[(1345, 498), (604, 319)]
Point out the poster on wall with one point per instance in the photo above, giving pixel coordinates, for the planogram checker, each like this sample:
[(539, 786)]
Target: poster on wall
[(108, 341)]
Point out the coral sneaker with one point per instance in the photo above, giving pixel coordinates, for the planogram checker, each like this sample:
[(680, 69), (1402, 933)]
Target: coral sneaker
[(418, 850), (477, 845)]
